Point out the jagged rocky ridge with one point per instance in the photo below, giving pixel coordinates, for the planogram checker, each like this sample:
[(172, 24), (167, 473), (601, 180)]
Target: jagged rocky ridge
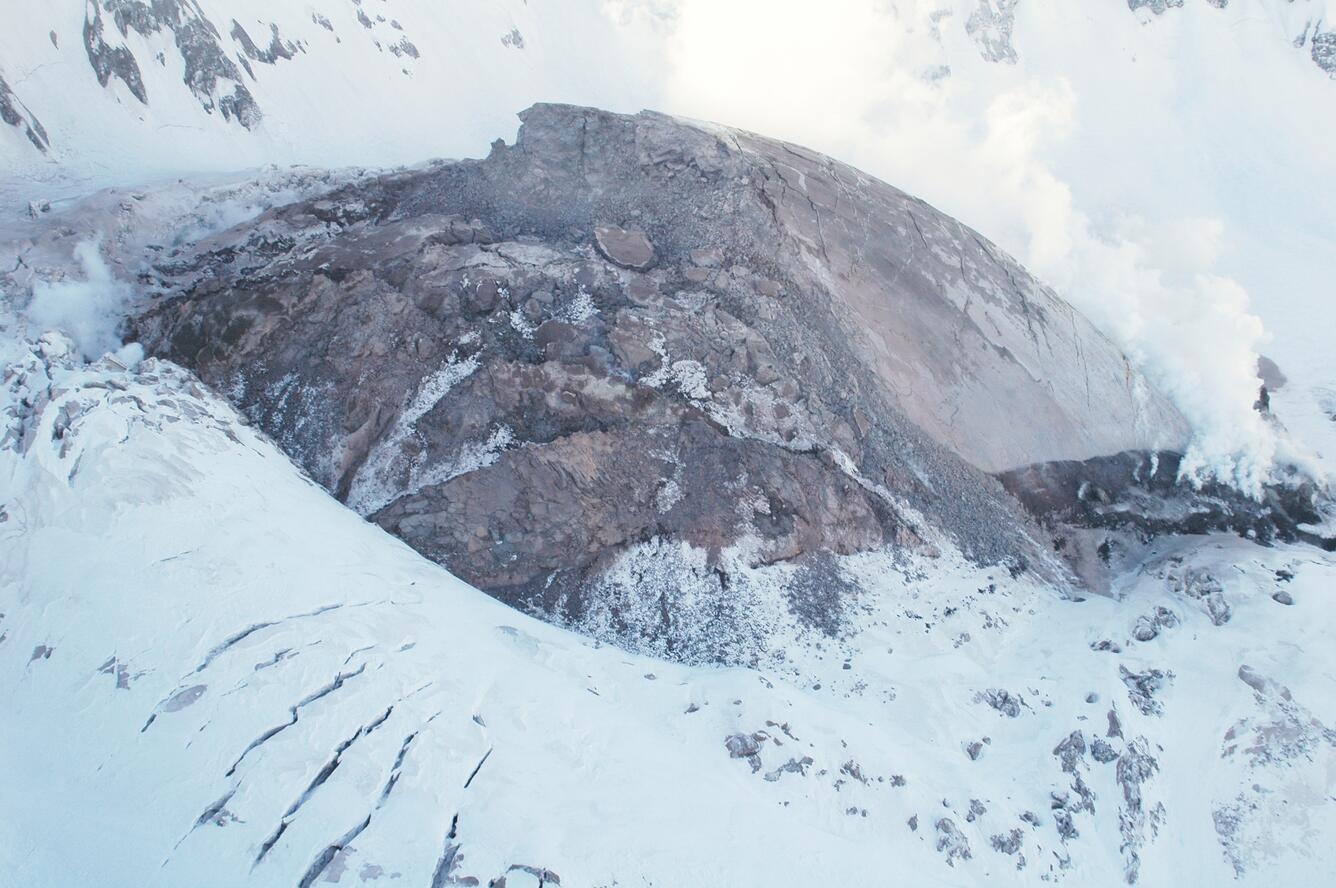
[(17, 115), (217, 55), (631, 364), (991, 23), (150, 54), (1103, 512), (210, 72)]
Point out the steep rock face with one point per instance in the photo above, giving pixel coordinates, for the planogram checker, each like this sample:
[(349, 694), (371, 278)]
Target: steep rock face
[(553, 369), (210, 72), (956, 334), (17, 115), (1104, 513), (230, 83)]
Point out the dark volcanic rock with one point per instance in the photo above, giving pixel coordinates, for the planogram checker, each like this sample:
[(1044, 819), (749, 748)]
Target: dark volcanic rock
[(744, 746), (110, 61), (1009, 843), (1003, 701), (210, 72), (1142, 687), (1141, 491), (1323, 50), (1102, 511), (278, 48), (618, 368), (629, 249), (16, 114), (951, 842), (1102, 751), (1071, 751)]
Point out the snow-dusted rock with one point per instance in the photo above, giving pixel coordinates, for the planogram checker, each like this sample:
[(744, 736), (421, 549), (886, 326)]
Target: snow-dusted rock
[(814, 365), (17, 115)]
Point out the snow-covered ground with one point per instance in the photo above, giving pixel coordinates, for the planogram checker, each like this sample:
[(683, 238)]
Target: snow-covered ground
[(214, 672), (380, 82)]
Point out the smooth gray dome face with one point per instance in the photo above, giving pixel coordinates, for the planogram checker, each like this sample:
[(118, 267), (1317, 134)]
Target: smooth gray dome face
[(986, 360), (625, 335)]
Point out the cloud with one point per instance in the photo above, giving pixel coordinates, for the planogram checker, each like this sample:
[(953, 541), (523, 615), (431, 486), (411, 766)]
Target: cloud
[(89, 311), (1004, 148)]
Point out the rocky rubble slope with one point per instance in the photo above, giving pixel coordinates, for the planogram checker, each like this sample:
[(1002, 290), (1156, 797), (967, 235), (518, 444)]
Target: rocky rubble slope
[(632, 354)]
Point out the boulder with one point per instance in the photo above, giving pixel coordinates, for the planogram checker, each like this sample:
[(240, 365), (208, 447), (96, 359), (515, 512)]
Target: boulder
[(629, 249)]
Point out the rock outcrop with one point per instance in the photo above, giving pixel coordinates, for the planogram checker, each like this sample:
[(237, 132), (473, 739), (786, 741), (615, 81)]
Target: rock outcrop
[(209, 72), (1102, 512), (630, 338), (17, 115)]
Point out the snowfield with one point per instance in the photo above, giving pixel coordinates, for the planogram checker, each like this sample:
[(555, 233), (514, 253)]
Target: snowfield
[(215, 673)]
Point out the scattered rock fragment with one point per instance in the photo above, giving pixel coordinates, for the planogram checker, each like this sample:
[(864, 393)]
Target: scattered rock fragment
[(746, 746), (120, 670), (792, 766), (1205, 588), (852, 769), (708, 257), (1102, 751), (1136, 822), (1071, 751), (1141, 688), (1149, 626), (1009, 843), (951, 841), (1062, 818), (627, 248), (1004, 701)]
